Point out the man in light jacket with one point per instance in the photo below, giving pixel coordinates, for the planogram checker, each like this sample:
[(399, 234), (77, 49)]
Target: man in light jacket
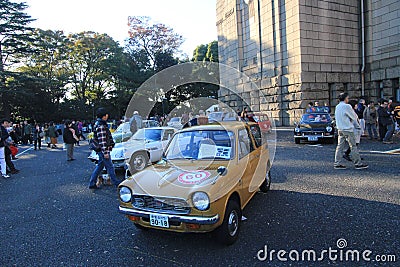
[(345, 117)]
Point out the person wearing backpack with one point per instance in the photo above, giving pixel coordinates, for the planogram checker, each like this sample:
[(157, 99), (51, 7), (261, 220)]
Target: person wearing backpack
[(104, 140)]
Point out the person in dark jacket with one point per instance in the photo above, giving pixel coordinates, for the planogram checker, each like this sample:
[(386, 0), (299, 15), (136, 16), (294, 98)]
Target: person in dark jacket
[(3, 137), (106, 143), (386, 125), (37, 136), (69, 138)]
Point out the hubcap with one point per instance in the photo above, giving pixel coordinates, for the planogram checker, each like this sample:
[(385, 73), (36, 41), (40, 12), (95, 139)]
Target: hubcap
[(139, 162), (233, 222)]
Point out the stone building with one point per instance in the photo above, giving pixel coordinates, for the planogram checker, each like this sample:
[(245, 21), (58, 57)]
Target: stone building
[(298, 51)]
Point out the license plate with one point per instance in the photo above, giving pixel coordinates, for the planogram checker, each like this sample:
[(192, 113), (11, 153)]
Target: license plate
[(313, 138), (159, 220)]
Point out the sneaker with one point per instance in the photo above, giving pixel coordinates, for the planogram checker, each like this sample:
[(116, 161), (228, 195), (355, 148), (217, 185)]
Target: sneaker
[(340, 167), (388, 142), (94, 187), (361, 166), (346, 157), (6, 176)]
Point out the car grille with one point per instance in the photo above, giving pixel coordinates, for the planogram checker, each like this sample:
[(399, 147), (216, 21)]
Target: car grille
[(313, 133), (161, 204)]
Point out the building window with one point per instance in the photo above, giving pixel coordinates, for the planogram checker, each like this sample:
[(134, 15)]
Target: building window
[(396, 89), (379, 90)]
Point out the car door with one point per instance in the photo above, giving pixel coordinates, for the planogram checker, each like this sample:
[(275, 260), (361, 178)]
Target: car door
[(247, 157), (261, 158)]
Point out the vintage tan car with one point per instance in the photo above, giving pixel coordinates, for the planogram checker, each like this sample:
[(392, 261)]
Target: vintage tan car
[(206, 177)]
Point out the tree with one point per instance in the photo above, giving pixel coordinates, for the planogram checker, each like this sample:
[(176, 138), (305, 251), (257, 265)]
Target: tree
[(153, 39), (14, 31), (206, 52), (48, 62)]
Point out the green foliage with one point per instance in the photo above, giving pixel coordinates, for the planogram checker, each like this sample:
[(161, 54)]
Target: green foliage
[(206, 52)]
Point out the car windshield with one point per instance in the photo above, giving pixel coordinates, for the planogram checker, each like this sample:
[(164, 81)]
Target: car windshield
[(148, 134), (123, 128), (209, 144), (316, 118), (175, 119)]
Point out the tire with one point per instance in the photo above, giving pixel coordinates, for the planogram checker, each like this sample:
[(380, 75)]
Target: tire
[(138, 162), (297, 140), (228, 232), (266, 185)]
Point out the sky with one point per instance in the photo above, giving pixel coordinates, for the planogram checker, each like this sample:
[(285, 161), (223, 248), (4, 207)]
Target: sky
[(193, 19)]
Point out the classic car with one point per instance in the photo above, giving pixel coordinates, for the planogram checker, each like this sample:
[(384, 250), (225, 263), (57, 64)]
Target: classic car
[(222, 116), (263, 121), (175, 122), (207, 176), (142, 148), (315, 126)]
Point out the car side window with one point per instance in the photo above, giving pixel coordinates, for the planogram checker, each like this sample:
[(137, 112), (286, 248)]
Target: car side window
[(245, 145), (168, 134), (256, 132)]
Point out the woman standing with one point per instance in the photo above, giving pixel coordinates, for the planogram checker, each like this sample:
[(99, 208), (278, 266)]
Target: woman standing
[(53, 134), (37, 136), (46, 134), (70, 139)]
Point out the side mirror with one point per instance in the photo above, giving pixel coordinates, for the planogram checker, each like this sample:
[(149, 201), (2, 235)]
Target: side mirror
[(222, 170)]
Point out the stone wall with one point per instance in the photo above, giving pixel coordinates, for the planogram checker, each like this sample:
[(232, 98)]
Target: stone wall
[(298, 51), (383, 48)]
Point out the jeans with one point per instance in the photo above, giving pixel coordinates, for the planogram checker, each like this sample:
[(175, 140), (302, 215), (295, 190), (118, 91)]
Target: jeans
[(103, 162), (389, 133), (347, 137), (3, 161), (371, 128), (70, 151), (37, 143)]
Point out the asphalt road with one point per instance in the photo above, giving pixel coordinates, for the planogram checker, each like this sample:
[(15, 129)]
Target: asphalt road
[(50, 218)]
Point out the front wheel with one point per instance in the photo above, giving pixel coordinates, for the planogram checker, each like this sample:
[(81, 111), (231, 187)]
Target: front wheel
[(228, 232), (138, 162), (265, 186)]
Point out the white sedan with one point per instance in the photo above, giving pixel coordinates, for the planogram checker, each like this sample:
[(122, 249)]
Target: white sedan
[(145, 146)]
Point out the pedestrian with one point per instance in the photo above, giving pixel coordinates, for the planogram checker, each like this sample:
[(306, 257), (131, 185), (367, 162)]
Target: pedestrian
[(357, 130), (386, 124), (135, 122), (69, 138), (46, 134), (53, 134), (103, 135), (9, 156), (345, 117), (27, 133), (4, 123), (37, 136), (371, 120), (360, 113)]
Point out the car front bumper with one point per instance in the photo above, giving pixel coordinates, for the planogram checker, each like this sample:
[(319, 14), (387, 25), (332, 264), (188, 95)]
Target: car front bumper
[(178, 223)]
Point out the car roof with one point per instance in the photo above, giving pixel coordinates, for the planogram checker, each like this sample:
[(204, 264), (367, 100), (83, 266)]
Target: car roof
[(224, 125)]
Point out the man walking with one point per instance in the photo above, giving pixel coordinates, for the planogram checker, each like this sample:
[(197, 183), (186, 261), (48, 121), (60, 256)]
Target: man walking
[(345, 117), (103, 135), (386, 122)]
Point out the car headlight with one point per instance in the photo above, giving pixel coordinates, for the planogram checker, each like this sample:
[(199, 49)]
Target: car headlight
[(329, 129), (297, 130), (125, 194), (201, 201)]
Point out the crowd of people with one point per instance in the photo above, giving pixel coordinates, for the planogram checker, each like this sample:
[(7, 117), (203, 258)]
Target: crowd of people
[(353, 118)]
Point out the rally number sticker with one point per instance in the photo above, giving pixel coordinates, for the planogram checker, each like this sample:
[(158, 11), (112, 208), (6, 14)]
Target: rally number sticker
[(193, 177)]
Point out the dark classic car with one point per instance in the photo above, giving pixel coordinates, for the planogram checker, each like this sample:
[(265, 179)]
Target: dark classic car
[(316, 125)]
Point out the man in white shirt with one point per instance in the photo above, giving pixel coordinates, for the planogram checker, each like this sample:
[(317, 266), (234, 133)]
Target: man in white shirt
[(345, 117)]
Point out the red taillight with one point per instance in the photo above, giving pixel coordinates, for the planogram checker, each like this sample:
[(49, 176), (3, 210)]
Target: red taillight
[(193, 226), (133, 218)]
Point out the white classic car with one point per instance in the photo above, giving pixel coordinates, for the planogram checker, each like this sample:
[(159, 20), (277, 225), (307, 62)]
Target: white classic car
[(145, 146)]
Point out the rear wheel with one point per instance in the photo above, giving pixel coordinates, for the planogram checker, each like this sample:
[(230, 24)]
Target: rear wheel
[(265, 186), (228, 232), (138, 162)]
